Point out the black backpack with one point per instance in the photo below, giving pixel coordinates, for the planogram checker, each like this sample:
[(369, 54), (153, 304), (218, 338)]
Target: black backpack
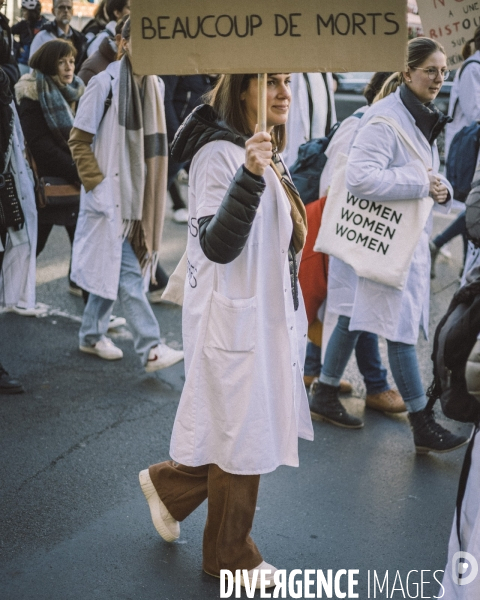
[(308, 167), (455, 337), (454, 340)]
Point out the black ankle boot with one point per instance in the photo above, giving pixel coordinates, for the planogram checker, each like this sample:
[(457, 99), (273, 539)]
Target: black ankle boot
[(9, 385), (429, 436), (325, 406)]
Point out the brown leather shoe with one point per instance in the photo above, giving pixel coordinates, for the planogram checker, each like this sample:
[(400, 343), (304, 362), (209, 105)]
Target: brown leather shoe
[(389, 401), (345, 387), (309, 379)]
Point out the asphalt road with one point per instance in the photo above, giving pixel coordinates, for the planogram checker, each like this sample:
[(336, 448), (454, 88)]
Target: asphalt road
[(74, 524)]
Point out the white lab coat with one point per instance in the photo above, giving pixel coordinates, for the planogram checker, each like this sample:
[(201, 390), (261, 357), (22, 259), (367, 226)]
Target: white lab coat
[(342, 279), (243, 406), (298, 124), (17, 280), (470, 535), (465, 89), (97, 248), (95, 44), (380, 168)]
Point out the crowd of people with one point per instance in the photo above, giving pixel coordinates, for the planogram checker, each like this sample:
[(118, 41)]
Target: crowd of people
[(76, 118)]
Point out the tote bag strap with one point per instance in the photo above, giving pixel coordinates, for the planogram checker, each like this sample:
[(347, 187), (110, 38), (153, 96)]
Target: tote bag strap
[(402, 134)]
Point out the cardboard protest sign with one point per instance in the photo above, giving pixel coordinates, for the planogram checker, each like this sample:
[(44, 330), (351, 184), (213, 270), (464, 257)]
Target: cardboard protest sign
[(452, 23), (184, 37)]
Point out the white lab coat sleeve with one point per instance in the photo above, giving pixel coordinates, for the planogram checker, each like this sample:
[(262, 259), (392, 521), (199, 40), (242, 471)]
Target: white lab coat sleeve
[(214, 173), (161, 85), (331, 92), (340, 143), (469, 92), (91, 107), (95, 44), (447, 206), (41, 38), (369, 171)]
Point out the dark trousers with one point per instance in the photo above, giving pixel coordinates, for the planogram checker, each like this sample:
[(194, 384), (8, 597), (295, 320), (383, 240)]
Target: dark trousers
[(172, 185), (44, 230), (232, 501)]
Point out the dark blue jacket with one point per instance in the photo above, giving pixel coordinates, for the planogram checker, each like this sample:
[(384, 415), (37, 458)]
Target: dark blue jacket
[(182, 95)]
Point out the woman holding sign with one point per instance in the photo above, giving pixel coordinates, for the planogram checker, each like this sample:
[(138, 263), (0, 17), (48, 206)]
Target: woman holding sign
[(244, 405), (382, 167)]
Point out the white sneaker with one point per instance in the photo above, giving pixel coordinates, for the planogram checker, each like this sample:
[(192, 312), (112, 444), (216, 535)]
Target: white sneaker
[(263, 566), (163, 521), (161, 357), (116, 322), (180, 215), (104, 348), (35, 311), (182, 177), (155, 297)]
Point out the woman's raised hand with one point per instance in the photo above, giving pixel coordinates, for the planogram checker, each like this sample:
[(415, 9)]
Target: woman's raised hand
[(438, 190), (258, 152)]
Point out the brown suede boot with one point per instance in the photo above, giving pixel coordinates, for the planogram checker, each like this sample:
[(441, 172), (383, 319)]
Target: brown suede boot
[(389, 401)]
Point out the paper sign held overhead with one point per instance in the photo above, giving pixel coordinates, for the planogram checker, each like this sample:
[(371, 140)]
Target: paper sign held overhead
[(450, 22), (184, 37)]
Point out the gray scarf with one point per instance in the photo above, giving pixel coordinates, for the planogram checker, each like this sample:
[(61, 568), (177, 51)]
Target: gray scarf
[(56, 101)]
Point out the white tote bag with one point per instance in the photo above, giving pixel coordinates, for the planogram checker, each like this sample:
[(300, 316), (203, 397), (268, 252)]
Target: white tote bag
[(377, 239)]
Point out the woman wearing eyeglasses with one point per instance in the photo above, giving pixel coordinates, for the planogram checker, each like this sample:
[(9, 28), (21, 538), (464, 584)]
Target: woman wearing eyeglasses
[(381, 168)]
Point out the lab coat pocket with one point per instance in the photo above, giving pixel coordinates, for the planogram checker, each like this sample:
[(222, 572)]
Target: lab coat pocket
[(100, 200), (232, 324)]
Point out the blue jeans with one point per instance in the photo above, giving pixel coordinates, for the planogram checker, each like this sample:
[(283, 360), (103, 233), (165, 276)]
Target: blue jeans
[(368, 361), (138, 312), (402, 359), (458, 227)]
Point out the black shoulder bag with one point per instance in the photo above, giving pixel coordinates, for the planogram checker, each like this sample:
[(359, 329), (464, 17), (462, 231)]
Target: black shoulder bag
[(11, 213)]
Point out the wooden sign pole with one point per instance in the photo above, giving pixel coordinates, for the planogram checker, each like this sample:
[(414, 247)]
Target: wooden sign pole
[(262, 102)]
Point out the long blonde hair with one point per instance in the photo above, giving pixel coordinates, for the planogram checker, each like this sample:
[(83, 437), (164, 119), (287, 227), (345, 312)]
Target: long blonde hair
[(418, 50)]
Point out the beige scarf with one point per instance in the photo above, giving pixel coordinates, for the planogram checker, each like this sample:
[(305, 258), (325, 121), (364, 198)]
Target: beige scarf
[(143, 151), (297, 208)]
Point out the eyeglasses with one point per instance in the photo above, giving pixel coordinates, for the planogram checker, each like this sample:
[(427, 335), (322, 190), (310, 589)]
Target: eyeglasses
[(433, 73)]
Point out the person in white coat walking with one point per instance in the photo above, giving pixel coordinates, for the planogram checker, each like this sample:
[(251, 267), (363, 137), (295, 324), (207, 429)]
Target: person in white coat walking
[(464, 108), (244, 405), (119, 145), (464, 105), (312, 113), (380, 168), (17, 245), (461, 580), (342, 278)]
